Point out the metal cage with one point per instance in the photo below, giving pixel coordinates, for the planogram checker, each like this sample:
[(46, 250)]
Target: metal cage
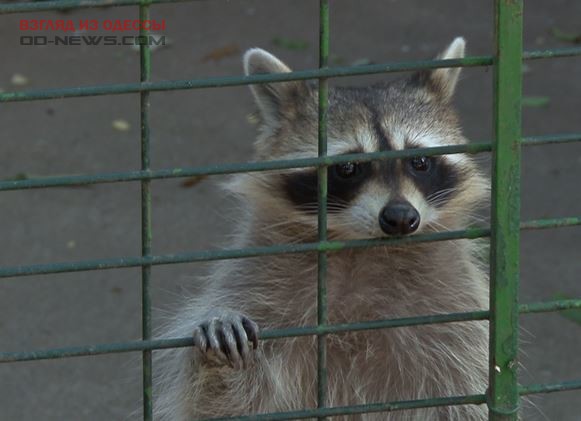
[(503, 394)]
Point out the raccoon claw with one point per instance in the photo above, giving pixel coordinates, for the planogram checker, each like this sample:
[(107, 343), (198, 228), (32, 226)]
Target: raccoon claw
[(226, 336), (251, 329)]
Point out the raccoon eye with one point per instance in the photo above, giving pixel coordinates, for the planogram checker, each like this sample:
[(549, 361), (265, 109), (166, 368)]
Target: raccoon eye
[(421, 163), (347, 170)]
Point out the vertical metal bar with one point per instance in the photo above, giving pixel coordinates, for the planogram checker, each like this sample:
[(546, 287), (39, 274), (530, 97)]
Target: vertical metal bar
[(146, 234), (503, 397), (322, 208)]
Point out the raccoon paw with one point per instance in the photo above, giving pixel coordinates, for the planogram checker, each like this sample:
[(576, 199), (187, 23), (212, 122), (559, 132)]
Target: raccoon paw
[(223, 338)]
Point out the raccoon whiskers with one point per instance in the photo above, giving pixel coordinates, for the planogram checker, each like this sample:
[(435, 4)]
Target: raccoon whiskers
[(440, 226), (465, 215), (283, 233), (355, 223), (393, 198), (440, 196), (529, 402), (277, 227)]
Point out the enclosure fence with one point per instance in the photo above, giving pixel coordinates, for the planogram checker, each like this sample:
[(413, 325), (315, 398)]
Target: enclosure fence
[(503, 394)]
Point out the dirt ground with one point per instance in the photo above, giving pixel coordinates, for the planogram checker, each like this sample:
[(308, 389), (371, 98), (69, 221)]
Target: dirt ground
[(211, 126)]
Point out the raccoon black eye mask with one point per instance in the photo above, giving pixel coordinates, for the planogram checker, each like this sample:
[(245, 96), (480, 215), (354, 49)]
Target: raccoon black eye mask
[(227, 373), (431, 175), (343, 181)]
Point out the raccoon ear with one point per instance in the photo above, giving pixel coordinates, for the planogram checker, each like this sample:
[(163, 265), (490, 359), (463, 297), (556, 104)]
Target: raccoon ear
[(272, 98), (442, 82)]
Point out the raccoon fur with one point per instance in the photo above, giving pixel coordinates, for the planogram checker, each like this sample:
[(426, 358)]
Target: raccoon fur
[(229, 373)]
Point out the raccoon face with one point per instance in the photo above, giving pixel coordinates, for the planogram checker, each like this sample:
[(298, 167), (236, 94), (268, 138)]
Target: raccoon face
[(392, 197)]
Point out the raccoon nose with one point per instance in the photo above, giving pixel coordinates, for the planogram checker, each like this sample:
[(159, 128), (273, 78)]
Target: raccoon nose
[(399, 218)]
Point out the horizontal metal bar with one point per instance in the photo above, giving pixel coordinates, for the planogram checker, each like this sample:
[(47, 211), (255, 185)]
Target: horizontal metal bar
[(153, 344), (209, 255), (550, 388), (551, 139), (548, 306), (550, 223), (359, 409), (43, 6), (217, 82), (142, 345), (393, 406), (552, 53), (221, 169), (401, 405)]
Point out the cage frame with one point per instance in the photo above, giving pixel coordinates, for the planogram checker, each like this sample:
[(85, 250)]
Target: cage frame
[(504, 392)]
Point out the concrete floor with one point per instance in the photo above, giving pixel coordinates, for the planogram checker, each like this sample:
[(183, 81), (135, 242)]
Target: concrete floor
[(210, 126)]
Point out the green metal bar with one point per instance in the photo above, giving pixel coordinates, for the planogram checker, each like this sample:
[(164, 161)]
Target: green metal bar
[(219, 169), (551, 53), (402, 405), (550, 388), (209, 255), (321, 413), (550, 223), (322, 316), (200, 256), (551, 139), (132, 346), (548, 306), (504, 392), (397, 406), (146, 228), (217, 82), (503, 397)]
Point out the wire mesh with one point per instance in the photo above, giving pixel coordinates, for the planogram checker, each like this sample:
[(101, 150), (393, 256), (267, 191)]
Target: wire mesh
[(504, 392)]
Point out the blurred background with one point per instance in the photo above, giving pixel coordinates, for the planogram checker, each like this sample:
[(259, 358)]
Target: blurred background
[(207, 38)]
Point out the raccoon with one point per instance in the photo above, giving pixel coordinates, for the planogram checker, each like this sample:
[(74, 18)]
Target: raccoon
[(228, 372)]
